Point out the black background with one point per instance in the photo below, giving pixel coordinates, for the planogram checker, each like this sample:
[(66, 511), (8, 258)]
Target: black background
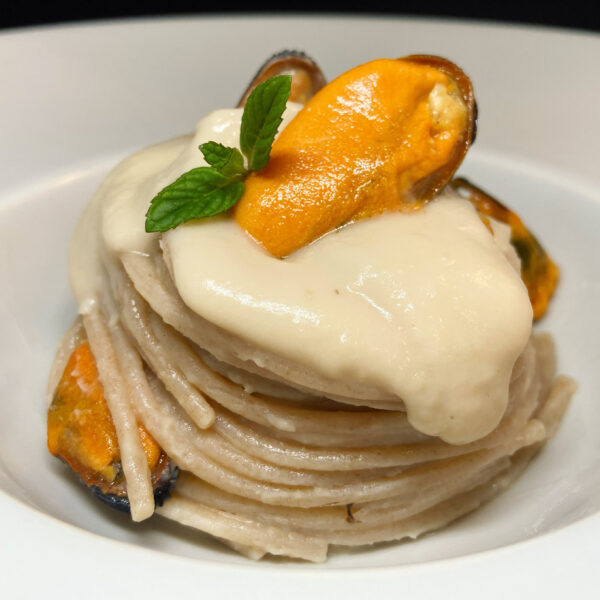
[(579, 14)]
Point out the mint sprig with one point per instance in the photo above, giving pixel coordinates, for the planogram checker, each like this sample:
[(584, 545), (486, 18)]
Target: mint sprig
[(228, 161), (261, 119), (201, 192), (208, 191)]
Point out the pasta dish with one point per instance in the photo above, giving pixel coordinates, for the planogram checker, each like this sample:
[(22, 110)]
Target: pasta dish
[(343, 357)]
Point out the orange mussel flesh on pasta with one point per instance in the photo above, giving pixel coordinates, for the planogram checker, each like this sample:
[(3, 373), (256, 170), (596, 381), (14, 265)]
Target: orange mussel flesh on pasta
[(81, 432), (386, 135)]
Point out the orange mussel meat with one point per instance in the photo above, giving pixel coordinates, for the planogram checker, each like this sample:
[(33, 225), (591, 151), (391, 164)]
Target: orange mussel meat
[(386, 135), (81, 432)]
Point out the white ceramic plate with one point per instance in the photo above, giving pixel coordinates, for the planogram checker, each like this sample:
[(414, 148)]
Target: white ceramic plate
[(76, 99)]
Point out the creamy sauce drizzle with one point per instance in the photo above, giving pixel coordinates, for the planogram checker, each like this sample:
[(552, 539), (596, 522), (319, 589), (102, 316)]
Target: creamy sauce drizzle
[(425, 306)]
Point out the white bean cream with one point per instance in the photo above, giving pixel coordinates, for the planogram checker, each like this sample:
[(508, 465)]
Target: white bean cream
[(425, 305)]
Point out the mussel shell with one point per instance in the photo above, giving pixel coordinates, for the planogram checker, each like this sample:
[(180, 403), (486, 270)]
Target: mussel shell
[(294, 63), (429, 186), (162, 490)]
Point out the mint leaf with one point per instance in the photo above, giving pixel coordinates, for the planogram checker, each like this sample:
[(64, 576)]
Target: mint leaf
[(261, 119), (235, 165), (229, 161), (208, 191), (201, 192), (215, 154)]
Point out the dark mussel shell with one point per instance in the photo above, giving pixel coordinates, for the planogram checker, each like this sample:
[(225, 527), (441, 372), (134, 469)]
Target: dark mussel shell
[(307, 77), (163, 482)]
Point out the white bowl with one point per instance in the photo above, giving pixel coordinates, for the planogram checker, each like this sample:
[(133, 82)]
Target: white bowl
[(76, 99)]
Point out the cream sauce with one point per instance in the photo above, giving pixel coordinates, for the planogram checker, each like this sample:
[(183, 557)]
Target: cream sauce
[(425, 305)]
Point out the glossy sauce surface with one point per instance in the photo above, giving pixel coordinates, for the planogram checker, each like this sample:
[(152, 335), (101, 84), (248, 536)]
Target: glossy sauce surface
[(424, 305)]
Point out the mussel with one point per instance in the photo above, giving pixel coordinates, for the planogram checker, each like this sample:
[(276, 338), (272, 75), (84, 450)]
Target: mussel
[(81, 432), (538, 271), (386, 135)]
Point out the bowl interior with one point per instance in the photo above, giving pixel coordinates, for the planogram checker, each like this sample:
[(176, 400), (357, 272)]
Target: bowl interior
[(561, 486)]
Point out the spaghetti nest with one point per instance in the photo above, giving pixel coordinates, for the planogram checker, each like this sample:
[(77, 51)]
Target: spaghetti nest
[(275, 458)]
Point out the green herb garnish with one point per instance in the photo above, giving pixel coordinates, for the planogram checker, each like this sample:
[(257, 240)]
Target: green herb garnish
[(208, 191)]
